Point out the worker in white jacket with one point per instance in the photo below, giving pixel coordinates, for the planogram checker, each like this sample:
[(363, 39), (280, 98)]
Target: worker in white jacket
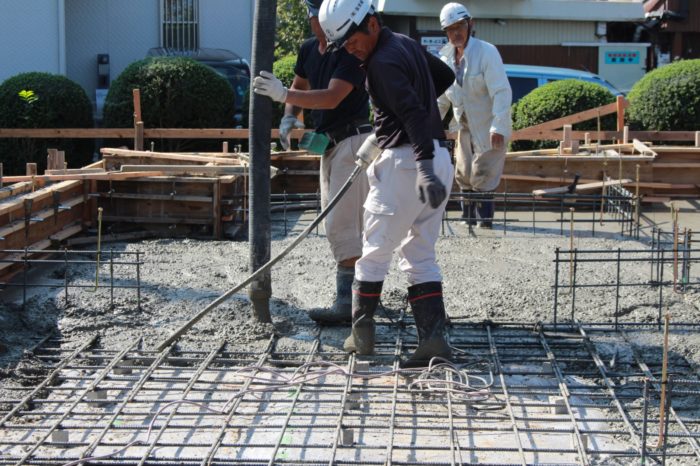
[(480, 99)]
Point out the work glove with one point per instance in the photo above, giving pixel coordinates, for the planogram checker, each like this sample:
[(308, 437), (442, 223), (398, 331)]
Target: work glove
[(288, 123), (428, 185), (268, 84), (368, 151)]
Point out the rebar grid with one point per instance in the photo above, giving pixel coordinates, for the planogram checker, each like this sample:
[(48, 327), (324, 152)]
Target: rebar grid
[(670, 273), (123, 270), (548, 398), (615, 206), (620, 208)]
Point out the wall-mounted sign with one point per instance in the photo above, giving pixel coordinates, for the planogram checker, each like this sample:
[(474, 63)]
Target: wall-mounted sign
[(629, 57), (433, 44)]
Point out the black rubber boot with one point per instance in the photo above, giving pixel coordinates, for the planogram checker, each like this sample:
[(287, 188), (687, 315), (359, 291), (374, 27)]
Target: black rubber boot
[(341, 310), (486, 209), (365, 298), (468, 209), (429, 311)]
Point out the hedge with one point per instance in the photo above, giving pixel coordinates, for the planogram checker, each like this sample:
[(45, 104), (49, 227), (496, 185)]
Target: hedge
[(556, 100), (43, 100), (667, 99), (176, 92)]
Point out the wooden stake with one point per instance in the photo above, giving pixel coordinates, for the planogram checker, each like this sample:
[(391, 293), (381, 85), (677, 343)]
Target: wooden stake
[(620, 112), (137, 105), (664, 381)]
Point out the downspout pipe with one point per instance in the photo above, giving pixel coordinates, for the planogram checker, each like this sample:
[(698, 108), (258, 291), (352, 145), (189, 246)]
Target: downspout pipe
[(260, 117), (61, 30)]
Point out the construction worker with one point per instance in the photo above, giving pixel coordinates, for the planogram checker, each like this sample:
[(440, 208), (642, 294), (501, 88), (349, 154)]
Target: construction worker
[(409, 174), (332, 84), (480, 99)]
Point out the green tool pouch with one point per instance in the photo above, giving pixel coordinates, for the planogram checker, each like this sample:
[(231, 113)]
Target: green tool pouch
[(315, 143)]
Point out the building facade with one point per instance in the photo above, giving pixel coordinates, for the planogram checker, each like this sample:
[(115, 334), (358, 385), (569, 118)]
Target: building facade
[(69, 37), (592, 35)]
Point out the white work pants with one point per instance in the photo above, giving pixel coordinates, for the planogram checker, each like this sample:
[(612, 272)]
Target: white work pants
[(396, 219), (344, 223), (477, 171)]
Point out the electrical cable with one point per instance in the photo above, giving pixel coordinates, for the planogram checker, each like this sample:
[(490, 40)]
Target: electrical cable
[(439, 378)]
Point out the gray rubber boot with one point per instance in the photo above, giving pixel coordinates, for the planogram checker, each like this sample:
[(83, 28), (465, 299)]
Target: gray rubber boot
[(365, 298), (486, 209), (341, 310), (468, 209), (429, 311)]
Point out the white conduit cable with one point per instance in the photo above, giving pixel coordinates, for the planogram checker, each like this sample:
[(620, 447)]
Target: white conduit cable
[(429, 381)]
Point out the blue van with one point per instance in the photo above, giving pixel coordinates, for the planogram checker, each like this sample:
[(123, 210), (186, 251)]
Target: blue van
[(525, 78)]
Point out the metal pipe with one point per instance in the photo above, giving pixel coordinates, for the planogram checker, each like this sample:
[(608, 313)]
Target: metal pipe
[(260, 117)]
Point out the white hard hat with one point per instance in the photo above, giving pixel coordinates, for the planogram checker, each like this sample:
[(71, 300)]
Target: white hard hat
[(452, 13), (341, 18)]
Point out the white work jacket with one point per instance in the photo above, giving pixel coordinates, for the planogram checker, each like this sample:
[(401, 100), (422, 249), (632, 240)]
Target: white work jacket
[(484, 97)]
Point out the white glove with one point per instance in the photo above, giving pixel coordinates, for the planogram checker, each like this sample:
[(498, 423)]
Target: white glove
[(368, 151), (268, 84), (288, 123)]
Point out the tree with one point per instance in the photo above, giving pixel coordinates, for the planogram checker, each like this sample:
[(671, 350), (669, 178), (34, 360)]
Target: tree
[(292, 27)]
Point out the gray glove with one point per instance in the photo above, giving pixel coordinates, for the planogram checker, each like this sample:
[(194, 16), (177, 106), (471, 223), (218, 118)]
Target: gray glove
[(287, 124), (368, 151), (428, 184)]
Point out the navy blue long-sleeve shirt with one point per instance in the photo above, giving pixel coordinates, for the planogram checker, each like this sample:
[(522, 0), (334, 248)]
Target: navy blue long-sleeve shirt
[(401, 87)]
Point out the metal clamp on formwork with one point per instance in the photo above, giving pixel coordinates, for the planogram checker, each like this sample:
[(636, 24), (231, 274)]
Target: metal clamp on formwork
[(28, 203), (57, 206)]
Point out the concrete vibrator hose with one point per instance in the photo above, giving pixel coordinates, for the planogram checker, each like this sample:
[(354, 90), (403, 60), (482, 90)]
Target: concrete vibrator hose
[(358, 169)]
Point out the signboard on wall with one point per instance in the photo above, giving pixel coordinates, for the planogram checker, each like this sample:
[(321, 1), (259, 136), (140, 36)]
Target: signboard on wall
[(622, 57), (433, 44)]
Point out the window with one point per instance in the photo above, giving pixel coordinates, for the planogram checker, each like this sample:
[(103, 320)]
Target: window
[(521, 86), (180, 20)]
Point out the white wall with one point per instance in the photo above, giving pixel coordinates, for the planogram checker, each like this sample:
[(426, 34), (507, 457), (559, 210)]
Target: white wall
[(124, 29), (29, 37), (227, 24)]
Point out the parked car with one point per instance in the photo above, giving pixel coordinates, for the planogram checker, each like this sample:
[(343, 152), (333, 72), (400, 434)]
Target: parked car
[(525, 78), (228, 64)]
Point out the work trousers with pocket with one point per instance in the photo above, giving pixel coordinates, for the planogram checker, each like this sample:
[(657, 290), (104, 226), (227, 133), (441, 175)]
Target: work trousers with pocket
[(396, 219), (344, 223), (477, 169)]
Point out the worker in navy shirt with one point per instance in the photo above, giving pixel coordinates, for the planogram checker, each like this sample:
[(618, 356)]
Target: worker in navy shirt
[(409, 178)]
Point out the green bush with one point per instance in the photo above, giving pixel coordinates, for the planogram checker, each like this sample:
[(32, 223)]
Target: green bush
[(667, 99), (556, 100), (176, 92), (43, 100)]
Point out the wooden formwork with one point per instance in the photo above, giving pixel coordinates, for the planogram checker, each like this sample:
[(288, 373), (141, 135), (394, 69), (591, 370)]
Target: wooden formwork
[(198, 194)]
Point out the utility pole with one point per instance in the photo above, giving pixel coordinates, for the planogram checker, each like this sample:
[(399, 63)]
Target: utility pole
[(260, 116)]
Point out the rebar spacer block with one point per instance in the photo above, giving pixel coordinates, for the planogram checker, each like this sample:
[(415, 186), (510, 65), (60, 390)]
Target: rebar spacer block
[(346, 437), (362, 366), (559, 406), (95, 396), (59, 436), (584, 440), (352, 401), (122, 370)]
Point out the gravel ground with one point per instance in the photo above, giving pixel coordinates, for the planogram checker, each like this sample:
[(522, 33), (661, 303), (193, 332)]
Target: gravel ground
[(487, 277)]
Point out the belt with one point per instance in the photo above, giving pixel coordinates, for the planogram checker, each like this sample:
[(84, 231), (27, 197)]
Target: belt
[(337, 135)]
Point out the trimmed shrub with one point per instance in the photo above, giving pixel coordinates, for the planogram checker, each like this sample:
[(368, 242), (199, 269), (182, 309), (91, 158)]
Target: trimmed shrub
[(667, 99), (176, 92), (43, 100), (556, 100)]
